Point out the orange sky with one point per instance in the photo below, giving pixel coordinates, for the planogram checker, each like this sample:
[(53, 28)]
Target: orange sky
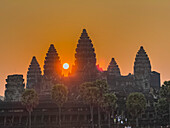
[(117, 28)]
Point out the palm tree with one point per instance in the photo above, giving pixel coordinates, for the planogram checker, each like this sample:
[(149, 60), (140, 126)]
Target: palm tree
[(165, 94), (59, 96), (90, 95), (30, 100), (110, 104), (103, 88), (136, 103), (102, 85), (100, 104), (165, 90), (162, 110)]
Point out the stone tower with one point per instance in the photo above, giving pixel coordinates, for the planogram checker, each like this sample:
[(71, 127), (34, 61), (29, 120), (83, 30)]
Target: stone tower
[(52, 73), (52, 64), (34, 77), (113, 68), (85, 59), (14, 88), (142, 70)]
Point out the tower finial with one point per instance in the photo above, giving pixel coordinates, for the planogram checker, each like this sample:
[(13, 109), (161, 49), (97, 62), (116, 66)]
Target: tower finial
[(84, 30), (84, 34), (113, 59), (51, 45), (34, 60)]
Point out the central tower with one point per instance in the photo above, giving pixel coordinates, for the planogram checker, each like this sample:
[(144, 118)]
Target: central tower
[(142, 70), (85, 59)]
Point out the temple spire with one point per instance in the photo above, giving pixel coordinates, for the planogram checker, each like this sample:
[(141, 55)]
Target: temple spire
[(142, 63), (113, 68), (52, 64), (34, 75), (84, 34), (142, 70), (85, 57), (34, 61)]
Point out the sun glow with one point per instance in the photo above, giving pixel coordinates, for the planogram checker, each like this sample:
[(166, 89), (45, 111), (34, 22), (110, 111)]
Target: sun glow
[(66, 66)]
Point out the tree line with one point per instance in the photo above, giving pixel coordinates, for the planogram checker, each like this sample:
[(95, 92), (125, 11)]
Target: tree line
[(97, 95)]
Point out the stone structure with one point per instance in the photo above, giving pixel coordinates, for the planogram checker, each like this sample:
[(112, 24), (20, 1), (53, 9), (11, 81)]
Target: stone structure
[(52, 65), (52, 74), (75, 114), (85, 63), (142, 70), (142, 80), (34, 77), (14, 88), (113, 69)]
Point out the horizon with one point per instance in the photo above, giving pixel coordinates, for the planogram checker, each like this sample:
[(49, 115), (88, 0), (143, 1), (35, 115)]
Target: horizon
[(117, 30)]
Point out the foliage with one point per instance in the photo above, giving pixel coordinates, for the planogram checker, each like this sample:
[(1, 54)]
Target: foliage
[(109, 105), (30, 99), (110, 101), (84, 86), (136, 103), (59, 94), (93, 92), (162, 106), (165, 90), (162, 111), (102, 85), (90, 93)]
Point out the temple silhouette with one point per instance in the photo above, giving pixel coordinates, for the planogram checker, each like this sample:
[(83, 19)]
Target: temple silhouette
[(75, 114)]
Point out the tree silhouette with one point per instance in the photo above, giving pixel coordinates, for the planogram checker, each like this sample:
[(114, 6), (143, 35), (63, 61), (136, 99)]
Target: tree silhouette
[(90, 95), (110, 104), (30, 100), (136, 103), (103, 89), (59, 96), (164, 101)]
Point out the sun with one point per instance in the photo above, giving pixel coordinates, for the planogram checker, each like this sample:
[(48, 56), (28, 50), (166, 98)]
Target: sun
[(65, 65)]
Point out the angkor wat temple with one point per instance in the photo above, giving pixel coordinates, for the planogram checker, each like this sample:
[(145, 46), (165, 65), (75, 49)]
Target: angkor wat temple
[(75, 114)]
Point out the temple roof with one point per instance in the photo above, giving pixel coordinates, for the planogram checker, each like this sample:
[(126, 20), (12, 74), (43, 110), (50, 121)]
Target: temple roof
[(34, 73), (85, 58), (34, 67), (85, 52), (52, 64), (84, 34), (142, 62), (113, 68)]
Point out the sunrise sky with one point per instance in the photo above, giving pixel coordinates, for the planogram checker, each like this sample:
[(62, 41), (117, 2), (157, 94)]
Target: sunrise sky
[(117, 28)]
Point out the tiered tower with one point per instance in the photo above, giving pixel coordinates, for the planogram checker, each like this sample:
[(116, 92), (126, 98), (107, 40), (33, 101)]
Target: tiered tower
[(113, 68), (34, 77), (85, 63), (52, 73), (52, 64), (142, 70), (14, 88)]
